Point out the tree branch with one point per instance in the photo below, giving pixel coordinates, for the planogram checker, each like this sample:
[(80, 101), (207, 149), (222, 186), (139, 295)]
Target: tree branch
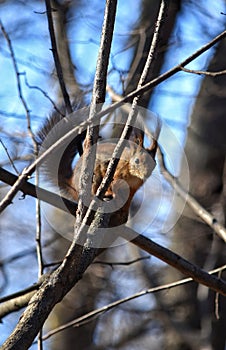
[(35, 191), (174, 260), (98, 98), (201, 72), (56, 58)]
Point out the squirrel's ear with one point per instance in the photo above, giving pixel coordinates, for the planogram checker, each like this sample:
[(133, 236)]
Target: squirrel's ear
[(137, 136), (153, 148)]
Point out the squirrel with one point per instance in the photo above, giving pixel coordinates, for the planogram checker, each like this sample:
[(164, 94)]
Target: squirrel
[(134, 167)]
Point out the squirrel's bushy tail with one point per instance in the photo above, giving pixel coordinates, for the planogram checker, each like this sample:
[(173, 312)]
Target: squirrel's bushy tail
[(58, 167)]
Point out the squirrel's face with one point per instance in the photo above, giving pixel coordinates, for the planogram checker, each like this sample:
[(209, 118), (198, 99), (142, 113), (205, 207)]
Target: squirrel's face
[(141, 164)]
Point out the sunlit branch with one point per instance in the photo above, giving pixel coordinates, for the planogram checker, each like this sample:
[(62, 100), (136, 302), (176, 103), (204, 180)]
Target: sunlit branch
[(92, 134), (201, 72), (174, 260)]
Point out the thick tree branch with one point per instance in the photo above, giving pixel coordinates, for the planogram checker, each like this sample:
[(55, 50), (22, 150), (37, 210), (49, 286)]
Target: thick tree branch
[(175, 260), (50, 293), (38, 192), (98, 98)]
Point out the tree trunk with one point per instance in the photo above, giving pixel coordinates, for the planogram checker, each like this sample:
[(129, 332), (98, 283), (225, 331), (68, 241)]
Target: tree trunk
[(193, 306)]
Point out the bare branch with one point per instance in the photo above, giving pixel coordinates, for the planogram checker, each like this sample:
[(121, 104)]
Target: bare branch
[(124, 263), (8, 155), (18, 75), (56, 58), (174, 260), (201, 72), (16, 304), (34, 191), (98, 98), (16, 301), (44, 93)]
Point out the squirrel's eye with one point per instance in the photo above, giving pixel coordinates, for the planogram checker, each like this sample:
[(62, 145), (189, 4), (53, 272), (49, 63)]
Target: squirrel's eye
[(136, 160)]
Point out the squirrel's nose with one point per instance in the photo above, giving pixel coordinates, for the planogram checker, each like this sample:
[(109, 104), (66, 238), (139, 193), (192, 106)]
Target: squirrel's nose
[(108, 197)]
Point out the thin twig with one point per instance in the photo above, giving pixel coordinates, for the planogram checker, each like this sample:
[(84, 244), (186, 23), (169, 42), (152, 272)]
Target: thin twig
[(93, 314), (39, 238), (56, 58), (8, 155), (18, 75), (201, 72), (109, 263), (120, 263), (45, 94)]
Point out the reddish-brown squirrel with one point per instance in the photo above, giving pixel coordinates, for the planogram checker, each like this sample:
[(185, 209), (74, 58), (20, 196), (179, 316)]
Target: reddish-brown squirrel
[(134, 167)]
